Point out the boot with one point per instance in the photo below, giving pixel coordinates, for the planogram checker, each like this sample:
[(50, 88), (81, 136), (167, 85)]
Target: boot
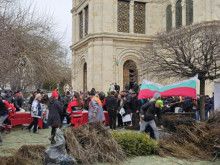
[(53, 141), (2, 129), (8, 131)]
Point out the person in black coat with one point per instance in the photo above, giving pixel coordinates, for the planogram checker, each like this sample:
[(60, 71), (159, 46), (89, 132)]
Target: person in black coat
[(67, 101), (117, 87), (32, 99), (127, 105), (148, 112), (127, 86), (135, 87), (135, 105), (112, 106), (54, 118), (120, 123), (45, 100)]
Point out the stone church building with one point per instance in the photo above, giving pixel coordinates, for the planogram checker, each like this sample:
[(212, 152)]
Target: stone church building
[(109, 36)]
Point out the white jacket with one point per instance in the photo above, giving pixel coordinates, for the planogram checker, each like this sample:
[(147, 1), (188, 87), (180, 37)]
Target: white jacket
[(34, 110)]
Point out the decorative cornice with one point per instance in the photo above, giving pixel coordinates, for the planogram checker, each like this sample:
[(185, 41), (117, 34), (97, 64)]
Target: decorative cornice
[(78, 6), (114, 36)]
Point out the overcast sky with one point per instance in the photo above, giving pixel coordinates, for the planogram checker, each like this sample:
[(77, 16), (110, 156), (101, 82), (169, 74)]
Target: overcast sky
[(60, 9)]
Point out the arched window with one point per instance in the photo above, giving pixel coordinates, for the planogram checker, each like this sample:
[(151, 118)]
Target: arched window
[(189, 12), (169, 18), (139, 17), (179, 14), (86, 20), (80, 25), (123, 15)]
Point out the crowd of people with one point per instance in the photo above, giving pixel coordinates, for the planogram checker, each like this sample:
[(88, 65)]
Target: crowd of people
[(188, 104), (124, 108)]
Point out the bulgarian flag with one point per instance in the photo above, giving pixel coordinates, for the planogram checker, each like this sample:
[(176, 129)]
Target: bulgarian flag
[(187, 88)]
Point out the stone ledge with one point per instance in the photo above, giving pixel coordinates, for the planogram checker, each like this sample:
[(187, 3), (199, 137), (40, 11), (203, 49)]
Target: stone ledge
[(116, 36)]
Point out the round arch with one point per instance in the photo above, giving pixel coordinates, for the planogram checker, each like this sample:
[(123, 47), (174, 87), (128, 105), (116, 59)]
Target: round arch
[(130, 73), (126, 55), (81, 73)]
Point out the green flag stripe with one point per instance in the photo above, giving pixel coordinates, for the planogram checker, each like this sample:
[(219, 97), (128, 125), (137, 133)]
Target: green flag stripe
[(190, 84)]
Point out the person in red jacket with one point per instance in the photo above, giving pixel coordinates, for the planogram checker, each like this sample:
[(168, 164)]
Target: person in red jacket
[(75, 110), (5, 107), (11, 113)]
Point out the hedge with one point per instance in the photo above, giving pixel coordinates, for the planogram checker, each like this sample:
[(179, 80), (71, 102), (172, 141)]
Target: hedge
[(136, 144)]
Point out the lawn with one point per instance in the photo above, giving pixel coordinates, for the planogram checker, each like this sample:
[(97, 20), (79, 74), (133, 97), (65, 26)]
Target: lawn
[(18, 137)]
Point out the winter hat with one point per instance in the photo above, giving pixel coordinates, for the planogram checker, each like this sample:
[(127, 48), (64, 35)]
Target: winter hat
[(38, 90), (133, 93), (37, 96), (92, 93), (157, 96), (160, 102), (54, 94)]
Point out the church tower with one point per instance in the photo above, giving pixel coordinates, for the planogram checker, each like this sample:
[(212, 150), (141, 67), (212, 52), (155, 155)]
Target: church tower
[(109, 36)]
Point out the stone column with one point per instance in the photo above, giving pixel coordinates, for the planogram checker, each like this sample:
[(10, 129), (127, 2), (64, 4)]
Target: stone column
[(131, 23), (84, 17), (74, 27), (183, 12), (208, 15), (73, 71), (115, 14), (174, 15), (164, 22), (90, 66), (73, 3), (108, 64)]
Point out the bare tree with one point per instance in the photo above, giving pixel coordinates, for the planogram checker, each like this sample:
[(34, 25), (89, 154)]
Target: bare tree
[(186, 52), (30, 52)]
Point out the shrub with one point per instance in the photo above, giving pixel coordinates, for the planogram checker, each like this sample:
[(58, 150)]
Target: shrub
[(136, 144)]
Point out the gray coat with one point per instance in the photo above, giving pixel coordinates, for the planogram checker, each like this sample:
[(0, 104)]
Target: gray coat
[(55, 109), (95, 107), (19, 103), (9, 99)]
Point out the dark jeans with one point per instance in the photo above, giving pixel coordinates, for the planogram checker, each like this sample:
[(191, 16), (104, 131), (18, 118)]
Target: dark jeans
[(68, 119), (53, 131), (112, 118), (135, 119), (207, 113), (120, 123), (34, 123)]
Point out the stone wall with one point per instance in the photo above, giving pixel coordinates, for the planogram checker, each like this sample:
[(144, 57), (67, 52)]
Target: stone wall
[(104, 45)]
